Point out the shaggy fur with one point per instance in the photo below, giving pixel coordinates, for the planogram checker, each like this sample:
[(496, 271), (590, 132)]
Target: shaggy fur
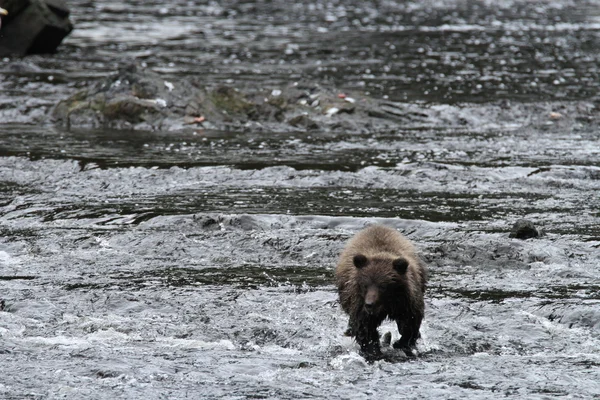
[(379, 275)]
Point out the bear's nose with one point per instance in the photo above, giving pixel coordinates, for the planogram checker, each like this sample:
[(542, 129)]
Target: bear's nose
[(371, 298)]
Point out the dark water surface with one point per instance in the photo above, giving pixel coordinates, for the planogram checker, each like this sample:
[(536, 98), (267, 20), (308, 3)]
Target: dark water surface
[(179, 265)]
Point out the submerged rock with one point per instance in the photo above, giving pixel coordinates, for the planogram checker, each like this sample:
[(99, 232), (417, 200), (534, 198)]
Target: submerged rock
[(303, 121), (136, 98), (33, 26), (524, 229), (140, 99)]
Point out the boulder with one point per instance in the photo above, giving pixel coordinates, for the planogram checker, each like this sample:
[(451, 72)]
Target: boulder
[(33, 26)]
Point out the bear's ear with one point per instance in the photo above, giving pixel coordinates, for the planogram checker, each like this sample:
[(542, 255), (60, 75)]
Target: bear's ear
[(360, 261), (400, 265)]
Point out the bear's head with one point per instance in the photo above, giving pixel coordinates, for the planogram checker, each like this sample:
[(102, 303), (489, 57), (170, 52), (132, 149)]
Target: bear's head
[(379, 277)]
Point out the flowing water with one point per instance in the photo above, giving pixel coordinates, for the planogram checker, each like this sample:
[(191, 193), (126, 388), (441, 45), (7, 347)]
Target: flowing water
[(172, 265)]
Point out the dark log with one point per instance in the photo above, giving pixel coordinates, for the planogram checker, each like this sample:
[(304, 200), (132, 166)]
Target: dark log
[(33, 26)]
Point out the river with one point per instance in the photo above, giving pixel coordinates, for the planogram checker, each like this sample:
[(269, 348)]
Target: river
[(173, 265)]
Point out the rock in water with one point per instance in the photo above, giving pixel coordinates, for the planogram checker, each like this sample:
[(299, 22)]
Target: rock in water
[(524, 229), (33, 26)]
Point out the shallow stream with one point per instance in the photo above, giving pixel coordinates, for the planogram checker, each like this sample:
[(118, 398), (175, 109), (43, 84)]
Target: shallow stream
[(170, 265)]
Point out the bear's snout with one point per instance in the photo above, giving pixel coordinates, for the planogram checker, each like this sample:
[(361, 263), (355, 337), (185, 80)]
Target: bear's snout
[(371, 299)]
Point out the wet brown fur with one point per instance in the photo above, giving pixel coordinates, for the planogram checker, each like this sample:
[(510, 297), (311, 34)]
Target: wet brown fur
[(394, 295)]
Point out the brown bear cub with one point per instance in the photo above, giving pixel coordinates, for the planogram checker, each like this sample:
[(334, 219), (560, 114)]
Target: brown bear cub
[(379, 275)]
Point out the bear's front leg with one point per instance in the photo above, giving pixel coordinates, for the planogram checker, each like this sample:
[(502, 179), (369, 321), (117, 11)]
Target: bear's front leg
[(410, 333), (367, 338)]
